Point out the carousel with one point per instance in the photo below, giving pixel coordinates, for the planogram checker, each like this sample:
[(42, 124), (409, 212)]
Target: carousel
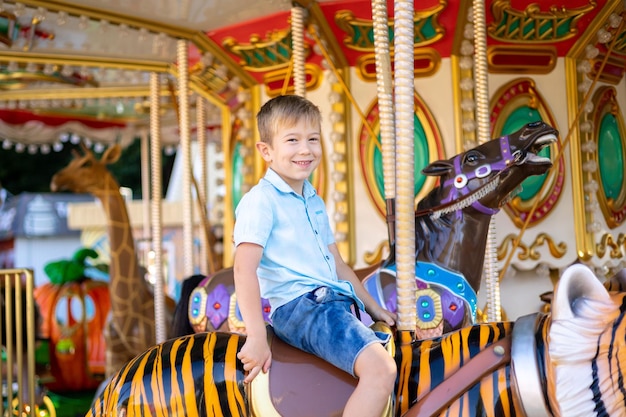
[(402, 87)]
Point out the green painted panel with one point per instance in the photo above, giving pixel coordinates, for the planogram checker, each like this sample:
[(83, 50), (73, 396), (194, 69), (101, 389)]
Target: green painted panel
[(421, 158), (236, 175), (611, 157)]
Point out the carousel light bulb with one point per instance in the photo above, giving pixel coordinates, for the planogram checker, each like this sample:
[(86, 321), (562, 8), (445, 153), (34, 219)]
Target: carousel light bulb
[(470, 14), (591, 187), (6, 144), (589, 146), (32, 149), (19, 147), (468, 31), (590, 166), (467, 48), (83, 22), (19, 9), (584, 67), (591, 51), (586, 126), (338, 176), (467, 104), (466, 63), (603, 35), (45, 149), (336, 137), (338, 157), (467, 84), (339, 196), (335, 117), (41, 14), (61, 18), (615, 20), (584, 85), (57, 146), (339, 217), (469, 125)]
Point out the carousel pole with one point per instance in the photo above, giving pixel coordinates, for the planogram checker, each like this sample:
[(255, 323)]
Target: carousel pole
[(201, 135), (156, 208), (405, 200), (385, 109), (298, 53), (185, 144), (483, 135)]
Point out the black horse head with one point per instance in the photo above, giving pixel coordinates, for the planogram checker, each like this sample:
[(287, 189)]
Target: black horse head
[(486, 175)]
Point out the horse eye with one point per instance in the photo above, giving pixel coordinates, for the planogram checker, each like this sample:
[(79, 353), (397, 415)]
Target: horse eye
[(471, 158)]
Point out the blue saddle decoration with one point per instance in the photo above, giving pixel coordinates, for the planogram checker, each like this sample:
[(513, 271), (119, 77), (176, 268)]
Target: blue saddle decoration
[(450, 285)]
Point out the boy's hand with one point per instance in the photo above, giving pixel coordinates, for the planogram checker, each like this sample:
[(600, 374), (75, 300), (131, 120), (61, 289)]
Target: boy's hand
[(256, 356), (380, 314)]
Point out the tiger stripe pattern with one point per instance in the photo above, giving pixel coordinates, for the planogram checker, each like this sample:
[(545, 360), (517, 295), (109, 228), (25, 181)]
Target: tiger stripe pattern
[(179, 378), (578, 354)]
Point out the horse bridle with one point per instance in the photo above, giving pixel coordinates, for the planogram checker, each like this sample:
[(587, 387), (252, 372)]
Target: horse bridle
[(458, 184)]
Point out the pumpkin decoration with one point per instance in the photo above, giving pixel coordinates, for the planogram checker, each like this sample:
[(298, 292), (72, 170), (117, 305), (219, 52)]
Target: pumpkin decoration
[(74, 308)]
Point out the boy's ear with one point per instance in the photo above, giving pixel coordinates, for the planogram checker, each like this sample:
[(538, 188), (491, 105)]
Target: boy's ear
[(263, 149)]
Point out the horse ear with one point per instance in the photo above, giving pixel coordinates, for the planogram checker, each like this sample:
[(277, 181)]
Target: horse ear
[(111, 155), (577, 282), (437, 168)]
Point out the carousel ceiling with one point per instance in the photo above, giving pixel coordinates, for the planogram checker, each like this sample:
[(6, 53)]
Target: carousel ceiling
[(84, 66)]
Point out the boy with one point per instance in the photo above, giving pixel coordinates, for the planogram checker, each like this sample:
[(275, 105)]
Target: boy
[(285, 252)]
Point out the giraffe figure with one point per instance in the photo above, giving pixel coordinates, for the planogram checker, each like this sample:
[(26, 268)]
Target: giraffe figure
[(130, 326)]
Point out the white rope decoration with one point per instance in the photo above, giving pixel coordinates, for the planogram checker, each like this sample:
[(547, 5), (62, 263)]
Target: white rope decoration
[(185, 144), (156, 208), (201, 137), (482, 119), (385, 95), (405, 200), (297, 39)]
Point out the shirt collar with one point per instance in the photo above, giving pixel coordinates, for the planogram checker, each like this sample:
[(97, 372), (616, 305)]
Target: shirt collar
[(273, 178)]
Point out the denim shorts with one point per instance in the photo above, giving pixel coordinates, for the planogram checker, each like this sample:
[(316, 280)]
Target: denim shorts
[(322, 322)]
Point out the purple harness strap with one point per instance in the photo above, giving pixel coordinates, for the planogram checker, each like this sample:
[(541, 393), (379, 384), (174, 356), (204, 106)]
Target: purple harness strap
[(458, 184)]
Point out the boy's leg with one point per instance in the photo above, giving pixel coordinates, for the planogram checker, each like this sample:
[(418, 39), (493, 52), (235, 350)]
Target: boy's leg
[(376, 371)]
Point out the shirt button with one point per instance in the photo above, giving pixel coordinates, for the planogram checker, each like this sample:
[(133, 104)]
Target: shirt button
[(315, 231), (327, 258)]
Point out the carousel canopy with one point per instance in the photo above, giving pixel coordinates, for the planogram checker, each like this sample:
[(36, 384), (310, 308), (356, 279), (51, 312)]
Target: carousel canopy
[(83, 66)]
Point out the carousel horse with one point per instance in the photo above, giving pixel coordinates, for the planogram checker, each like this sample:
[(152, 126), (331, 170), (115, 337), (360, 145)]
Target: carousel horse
[(566, 363), (450, 222)]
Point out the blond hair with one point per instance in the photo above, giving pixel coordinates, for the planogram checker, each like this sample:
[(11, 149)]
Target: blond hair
[(285, 111)]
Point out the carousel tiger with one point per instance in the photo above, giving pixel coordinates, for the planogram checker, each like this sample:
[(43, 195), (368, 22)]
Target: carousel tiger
[(566, 363)]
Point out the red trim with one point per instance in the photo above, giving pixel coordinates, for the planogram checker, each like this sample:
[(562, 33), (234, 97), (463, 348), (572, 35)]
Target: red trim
[(20, 117)]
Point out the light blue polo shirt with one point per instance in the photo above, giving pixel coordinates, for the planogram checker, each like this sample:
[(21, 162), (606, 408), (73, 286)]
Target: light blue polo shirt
[(294, 232)]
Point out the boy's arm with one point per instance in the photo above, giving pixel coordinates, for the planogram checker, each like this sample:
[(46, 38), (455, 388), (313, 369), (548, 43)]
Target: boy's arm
[(344, 272), (255, 353)]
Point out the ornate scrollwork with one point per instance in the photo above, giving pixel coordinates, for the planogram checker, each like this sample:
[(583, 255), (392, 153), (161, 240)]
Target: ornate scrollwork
[(557, 250), (616, 246), (534, 25)]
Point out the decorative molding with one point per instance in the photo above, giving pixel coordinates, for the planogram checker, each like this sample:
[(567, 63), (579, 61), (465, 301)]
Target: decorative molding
[(426, 62), (615, 246), (521, 59), (530, 252), (359, 32), (532, 25)]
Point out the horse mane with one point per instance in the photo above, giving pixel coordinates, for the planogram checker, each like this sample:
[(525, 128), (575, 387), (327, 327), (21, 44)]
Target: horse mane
[(574, 344)]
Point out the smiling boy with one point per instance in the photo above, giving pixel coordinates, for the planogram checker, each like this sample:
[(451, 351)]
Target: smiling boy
[(285, 252)]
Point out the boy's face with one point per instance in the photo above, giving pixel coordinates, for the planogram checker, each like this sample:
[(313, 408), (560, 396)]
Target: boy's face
[(294, 153)]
